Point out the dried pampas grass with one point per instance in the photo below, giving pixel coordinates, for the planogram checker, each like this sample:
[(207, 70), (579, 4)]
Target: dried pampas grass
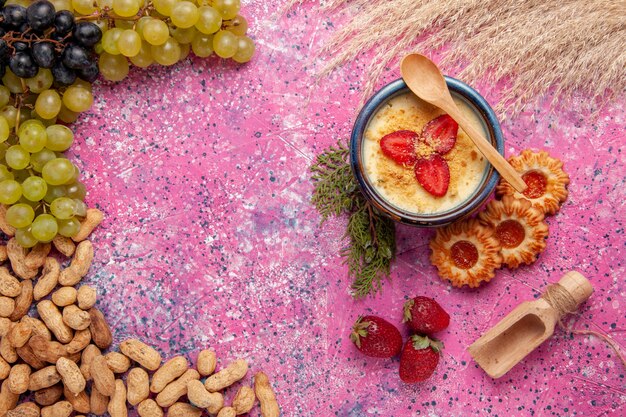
[(532, 47)]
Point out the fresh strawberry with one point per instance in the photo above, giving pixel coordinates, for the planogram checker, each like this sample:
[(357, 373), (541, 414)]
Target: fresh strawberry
[(419, 359), (440, 133), (433, 174), (400, 146), (376, 337), (425, 315)]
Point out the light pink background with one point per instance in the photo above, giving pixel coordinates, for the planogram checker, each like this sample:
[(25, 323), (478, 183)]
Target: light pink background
[(210, 239)]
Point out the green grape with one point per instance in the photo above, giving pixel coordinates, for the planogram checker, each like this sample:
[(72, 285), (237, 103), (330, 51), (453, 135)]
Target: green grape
[(113, 67), (62, 5), (83, 6), (184, 14), (109, 41), (77, 99), (164, 6), (44, 228), (66, 115), (25, 238), (238, 25), (58, 171), (5, 174), (75, 176), (140, 24), (5, 130), (54, 192), (129, 43), (69, 227), (48, 104), (202, 45), (245, 49), (12, 82), (80, 208), (166, 54), (60, 138), (63, 208), (76, 191), (184, 36), (83, 84), (10, 115), (32, 136), (5, 96), (34, 188), (20, 215), (144, 58), (10, 191), (40, 82), (227, 8), (41, 158), (126, 8), (17, 157), (210, 20), (156, 32), (225, 44)]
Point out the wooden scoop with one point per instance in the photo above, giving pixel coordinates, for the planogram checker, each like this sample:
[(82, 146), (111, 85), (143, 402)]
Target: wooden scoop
[(424, 79), (528, 325)]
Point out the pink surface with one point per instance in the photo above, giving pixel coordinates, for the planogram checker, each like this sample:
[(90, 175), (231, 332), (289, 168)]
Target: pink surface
[(210, 239)]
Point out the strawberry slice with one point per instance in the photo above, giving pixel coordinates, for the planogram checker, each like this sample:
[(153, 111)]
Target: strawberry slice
[(440, 133), (433, 174), (400, 146)]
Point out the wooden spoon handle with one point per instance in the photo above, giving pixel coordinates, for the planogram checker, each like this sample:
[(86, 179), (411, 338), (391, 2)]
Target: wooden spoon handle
[(499, 163)]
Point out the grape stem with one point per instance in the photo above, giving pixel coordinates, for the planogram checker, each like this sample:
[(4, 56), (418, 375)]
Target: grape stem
[(108, 14)]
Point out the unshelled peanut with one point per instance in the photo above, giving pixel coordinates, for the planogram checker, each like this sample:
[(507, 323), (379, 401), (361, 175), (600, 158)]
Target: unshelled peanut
[(138, 383), (65, 245), (244, 400), (141, 353), (71, 376), (60, 409), (100, 330), (49, 279), (86, 297), (176, 389), (80, 401), (98, 402), (23, 301), (49, 396), (227, 412), (170, 370), (206, 362), (19, 378), (117, 362), (91, 221), (49, 313), (200, 397), (27, 409), (103, 377), (79, 266), (44, 378), (64, 296), (149, 408), (76, 318), (265, 394), (117, 402), (227, 376), (183, 410)]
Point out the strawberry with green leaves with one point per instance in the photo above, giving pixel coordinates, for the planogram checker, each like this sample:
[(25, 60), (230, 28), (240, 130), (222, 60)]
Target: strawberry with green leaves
[(425, 315), (376, 337), (419, 359)]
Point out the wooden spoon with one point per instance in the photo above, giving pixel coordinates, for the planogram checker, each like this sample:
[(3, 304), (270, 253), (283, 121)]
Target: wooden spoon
[(425, 80), (528, 326)]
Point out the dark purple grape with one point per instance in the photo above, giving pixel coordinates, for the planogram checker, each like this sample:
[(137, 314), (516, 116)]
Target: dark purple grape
[(89, 74), (14, 15), (23, 65), (20, 46), (76, 57), (87, 34), (3, 70), (2, 31), (40, 15), (63, 22), (62, 74), (44, 54)]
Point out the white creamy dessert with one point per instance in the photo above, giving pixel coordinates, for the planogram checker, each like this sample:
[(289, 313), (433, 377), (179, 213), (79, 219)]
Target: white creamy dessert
[(397, 184)]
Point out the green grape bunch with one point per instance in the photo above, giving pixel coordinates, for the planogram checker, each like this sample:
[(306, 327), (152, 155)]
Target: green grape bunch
[(39, 186), (163, 32)]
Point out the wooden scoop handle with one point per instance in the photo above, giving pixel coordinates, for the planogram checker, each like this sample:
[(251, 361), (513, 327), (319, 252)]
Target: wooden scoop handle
[(577, 286)]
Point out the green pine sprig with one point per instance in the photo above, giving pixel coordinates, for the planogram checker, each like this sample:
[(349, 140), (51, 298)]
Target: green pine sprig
[(370, 246)]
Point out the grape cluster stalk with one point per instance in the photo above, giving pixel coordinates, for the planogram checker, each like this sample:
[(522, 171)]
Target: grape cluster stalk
[(50, 54)]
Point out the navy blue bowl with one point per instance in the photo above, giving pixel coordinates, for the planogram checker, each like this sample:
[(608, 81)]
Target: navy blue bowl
[(494, 134)]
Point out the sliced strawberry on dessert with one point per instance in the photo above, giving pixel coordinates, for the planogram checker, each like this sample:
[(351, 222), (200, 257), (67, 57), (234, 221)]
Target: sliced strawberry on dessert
[(419, 359), (400, 146), (425, 315), (440, 133), (433, 174), (376, 337)]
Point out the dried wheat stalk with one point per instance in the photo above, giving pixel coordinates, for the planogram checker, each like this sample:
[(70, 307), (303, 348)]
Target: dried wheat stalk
[(531, 46)]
